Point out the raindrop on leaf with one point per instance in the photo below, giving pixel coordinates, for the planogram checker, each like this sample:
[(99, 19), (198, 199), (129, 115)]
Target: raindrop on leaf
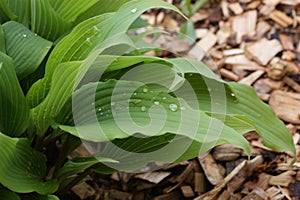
[(173, 107)]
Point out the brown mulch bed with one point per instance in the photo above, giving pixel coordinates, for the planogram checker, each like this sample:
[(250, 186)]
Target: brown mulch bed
[(252, 42)]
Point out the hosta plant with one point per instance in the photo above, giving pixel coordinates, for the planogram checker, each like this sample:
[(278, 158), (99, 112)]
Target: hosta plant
[(75, 72)]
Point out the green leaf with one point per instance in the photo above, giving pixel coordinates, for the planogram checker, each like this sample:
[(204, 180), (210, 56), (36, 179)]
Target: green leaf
[(14, 115), (69, 10), (26, 48), (235, 99), (187, 29), (79, 164), (167, 117), (8, 195), (22, 169), (88, 36), (2, 40), (46, 22), (5, 7), (21, 8), (35, 196), (101, 7)]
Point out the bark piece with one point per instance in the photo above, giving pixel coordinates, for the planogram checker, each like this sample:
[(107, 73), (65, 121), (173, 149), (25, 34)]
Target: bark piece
[(269, 6), (208, 41), (281, 18), (225, 10), (263, 50), (199, 16), (153, 177), (187, 191), (119, 195), (244, 25), (266, 85), (210, 168), (295, 189), (283, 179), (249, 80), (216, 15), (286, 105), (288, 55)]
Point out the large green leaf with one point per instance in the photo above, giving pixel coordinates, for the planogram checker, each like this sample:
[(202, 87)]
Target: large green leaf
[(14, 115), (26, 48), (239, 99), (20, 11), (46, 22), (69, 10), (101, 7), (22, 169), (160, 110), (87, 36), (8, 195), (4, 4), (2, 40)]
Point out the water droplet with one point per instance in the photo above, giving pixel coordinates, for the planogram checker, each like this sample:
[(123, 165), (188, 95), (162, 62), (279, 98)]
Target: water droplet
[(143, 108), (24, 35), (99, 109), (96, 28), (35, 34), (134, 10), (232, 94), (164, 98), (135, 94), (135, 101), (89, 40), (182, 108), (145, 90), (173, 107), (156, 103), (101, 113)]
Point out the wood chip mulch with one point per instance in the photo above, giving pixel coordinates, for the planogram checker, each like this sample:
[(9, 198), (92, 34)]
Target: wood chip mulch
[(255, 42)]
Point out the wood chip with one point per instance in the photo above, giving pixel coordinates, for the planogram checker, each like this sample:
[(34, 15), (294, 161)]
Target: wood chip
[(207, 42), (290, 82), (263, 50), (249, 80), (153, 177), (214, 192), (286, 42), (244, 25), (83, 190), (187, 191), (240, 60), (224, 32), (263, 182), (256, 194), (210, 168), (173, 196), (269, 6), (236, 8), (233, 52), (281, 18), (262, 28), (226, 152), (288, 55), (253, 5), (286, 105), (225, 10), (200, 183), (199, 16), (229, 75), (201, 32), (283, 179)]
